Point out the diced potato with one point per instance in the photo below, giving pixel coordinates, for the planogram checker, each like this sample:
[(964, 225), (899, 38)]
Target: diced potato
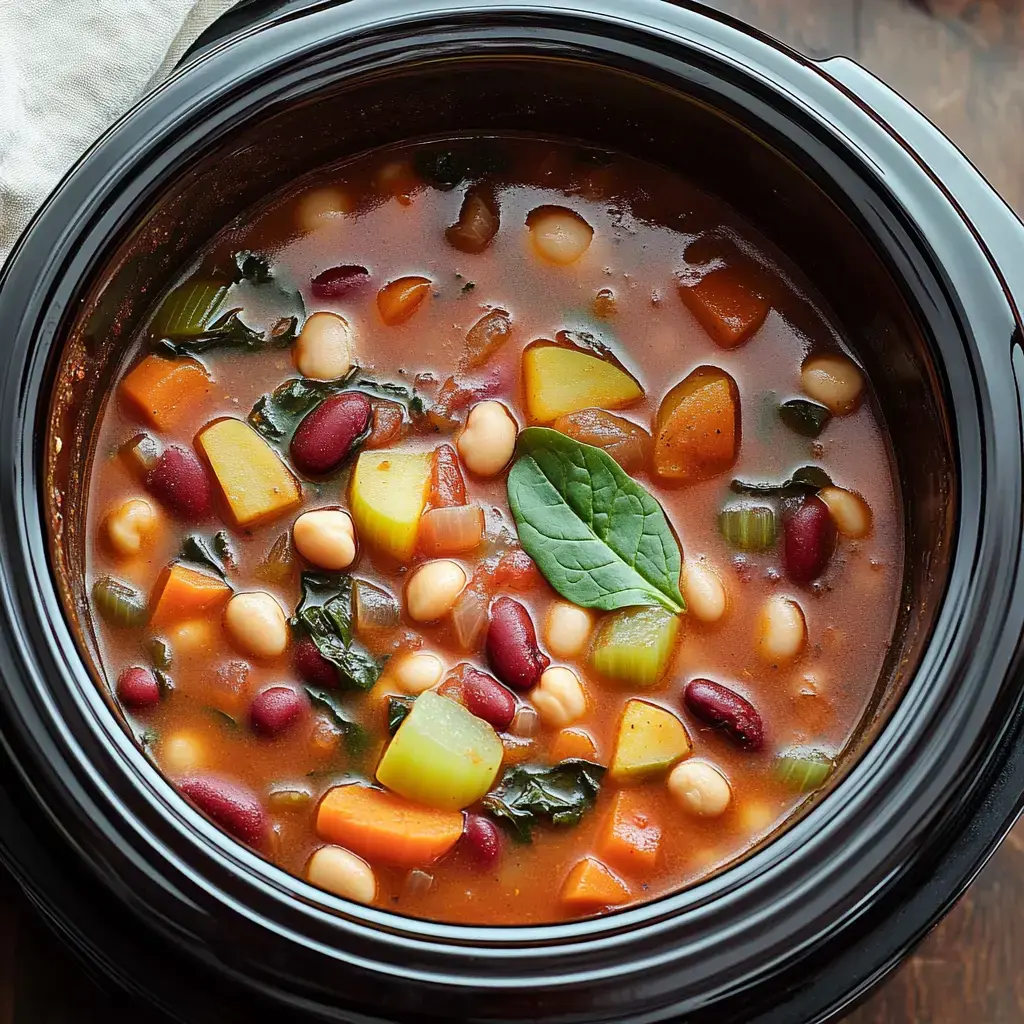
[(163, 391), (388, 494), (627, 443), (559, 380), (442, 756), (650, 740), (182, 593), (726, 305), (635, 645), (255, 483), (697, 429)]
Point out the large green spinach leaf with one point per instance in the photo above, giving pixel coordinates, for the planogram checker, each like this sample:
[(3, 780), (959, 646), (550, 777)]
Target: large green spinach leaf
[(600, 539), (529, 793)]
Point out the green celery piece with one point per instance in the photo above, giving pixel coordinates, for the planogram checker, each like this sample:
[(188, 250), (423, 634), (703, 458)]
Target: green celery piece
[(635, 646)]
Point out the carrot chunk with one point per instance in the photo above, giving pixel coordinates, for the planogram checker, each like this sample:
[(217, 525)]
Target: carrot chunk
[(573, 743), (386, 829), (630, 836), (183, 593), (590, 886), (725, 305), (162, 391)]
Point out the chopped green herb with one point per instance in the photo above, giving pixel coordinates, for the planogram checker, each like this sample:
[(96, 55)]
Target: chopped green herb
[(253, 267), (163, 680), (806, 418), (356, 739), (221, 717), (805, 480), (468, 287), (159, 652)]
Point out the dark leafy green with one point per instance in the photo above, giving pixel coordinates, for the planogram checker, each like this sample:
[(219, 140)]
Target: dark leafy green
[(356, 738), (600, 539), (164, 681), (446, 166), (222, 718), (805, 418), (325, 615), (398, 711), (528, 794), (160, 653), (228, 331), (214, 554), (252, 267), (589, 341), (806, 480)]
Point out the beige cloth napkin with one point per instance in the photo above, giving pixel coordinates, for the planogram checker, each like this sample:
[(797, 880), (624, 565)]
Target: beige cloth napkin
[(69, 69)]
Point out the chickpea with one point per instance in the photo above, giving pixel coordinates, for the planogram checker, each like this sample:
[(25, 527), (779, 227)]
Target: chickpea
[(559, 697), (433, 589), (343, 873), (488, 440), (193, 636), (326, 537), (704, 592), (321, 205), (782, 630), (700, 788), (849, 511), (256, 625), (833, 380), (183, 752), (559, 235), (129, 526), (418, 672), (567, 629), (323, 349)]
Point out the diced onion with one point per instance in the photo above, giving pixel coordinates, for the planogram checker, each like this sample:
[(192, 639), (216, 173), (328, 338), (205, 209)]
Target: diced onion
[(470, 617), (451, 531), (375, 608)]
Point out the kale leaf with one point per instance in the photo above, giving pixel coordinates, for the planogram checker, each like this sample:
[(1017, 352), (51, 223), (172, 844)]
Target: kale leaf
[(214, 554), (398, 711), (805, 480), (355, 735)]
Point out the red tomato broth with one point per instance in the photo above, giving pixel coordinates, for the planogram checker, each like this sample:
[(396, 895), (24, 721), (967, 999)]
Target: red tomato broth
[(643, 220)]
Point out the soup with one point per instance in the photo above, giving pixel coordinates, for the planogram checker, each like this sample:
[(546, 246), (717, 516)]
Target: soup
[(494, 531)]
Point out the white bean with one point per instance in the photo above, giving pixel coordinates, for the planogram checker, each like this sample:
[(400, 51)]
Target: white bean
[(433, 589), (323, 349), (320, 205), (256, 625), (849, 511), (567, 629), (129, 526), (326, 537), (559, 697), (417, 672), (488, 440), (339, 871), (559, 235), (183, 752), (700, 788), (193, 636), (782, 630), (833, 380), (704, 592)]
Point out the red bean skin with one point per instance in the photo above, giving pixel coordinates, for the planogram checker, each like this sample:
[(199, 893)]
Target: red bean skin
[(328, 435), (236, 808), (179, 481), (312, 665), (481, 839), (137, 688), (488, 699), (339, 281), (512, 650), (809, 538), (725, 709), (275, 710)]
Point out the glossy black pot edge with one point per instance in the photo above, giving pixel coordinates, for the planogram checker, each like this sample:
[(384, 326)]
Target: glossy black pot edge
[(998, 652)]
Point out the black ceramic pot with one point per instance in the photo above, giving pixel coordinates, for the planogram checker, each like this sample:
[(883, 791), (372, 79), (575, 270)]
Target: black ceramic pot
[(919, 260)]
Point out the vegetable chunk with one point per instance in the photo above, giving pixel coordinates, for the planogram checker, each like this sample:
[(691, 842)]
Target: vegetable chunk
[(442, 755), (591, 886), (386, 829), (559, 380), (388, 494), (161, 392), (726, 306), (255, 483), (635, 645), (630, 837), (182, 593), (649, 742), (697, 429)]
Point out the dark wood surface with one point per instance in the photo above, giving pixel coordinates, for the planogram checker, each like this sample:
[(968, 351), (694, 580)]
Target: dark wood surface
[(962, 63)]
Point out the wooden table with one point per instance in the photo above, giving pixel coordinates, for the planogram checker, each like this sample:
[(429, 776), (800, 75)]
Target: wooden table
[(962, 63)]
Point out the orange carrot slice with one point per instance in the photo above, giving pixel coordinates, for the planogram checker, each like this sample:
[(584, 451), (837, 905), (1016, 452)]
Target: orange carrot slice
[(162, 391), (183, 593), (398, 300), (590, 886), (727, 308), (630, 837)]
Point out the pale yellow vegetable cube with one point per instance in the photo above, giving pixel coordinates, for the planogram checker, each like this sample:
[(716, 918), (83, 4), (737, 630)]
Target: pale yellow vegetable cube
[(651, 739), (388, 494)]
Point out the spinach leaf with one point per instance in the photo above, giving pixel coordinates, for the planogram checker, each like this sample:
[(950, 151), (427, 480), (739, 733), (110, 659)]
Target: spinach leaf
[(600, 539), (398, 711), (228, 331), (805, 480), (222, 548), (356, 739), (215, 554), (805, 418), (325, 615), (528, 793), (252, 267)]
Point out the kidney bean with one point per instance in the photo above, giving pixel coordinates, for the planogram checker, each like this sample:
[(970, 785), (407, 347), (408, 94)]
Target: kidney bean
[(482, 840), (274, 710), (138, 688), (512, 650), (809, 538), (339, 281), (327, 435), (488, 699), (312, 665), (236, 808), (723, 708), (179, 481)]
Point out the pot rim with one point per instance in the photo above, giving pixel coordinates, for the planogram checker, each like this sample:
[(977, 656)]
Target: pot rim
[(55, 722)]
